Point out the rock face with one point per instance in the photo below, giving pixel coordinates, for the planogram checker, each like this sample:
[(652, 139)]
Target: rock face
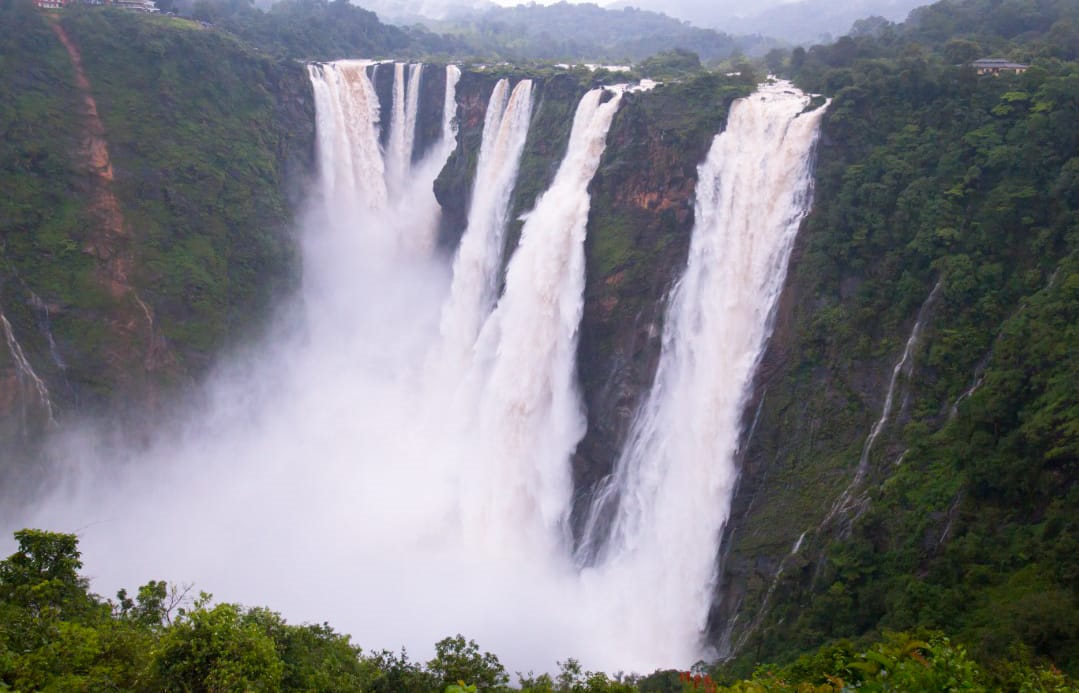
[(453, 187), (638, 229), (638, 237)]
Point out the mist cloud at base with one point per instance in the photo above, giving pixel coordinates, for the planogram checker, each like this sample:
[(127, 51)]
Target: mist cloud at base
[(315, 473)]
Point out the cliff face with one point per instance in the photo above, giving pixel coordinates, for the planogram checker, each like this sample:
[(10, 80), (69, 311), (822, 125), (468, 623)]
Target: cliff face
[(908, 460), (916, 393), (453, 187), (638, 237), (152, 168)]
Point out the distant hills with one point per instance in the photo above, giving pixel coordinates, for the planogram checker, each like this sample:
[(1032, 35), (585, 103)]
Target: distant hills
[(801, 22), (565, 31)]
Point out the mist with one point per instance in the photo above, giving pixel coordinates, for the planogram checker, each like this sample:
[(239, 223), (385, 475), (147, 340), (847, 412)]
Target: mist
[(319, 472), (397, 464)]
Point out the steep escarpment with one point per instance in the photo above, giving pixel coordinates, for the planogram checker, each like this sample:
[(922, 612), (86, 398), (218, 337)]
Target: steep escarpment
[(640, 219), (150, 170), (555, 98), (638, 236), (909, 461), (453, 187)]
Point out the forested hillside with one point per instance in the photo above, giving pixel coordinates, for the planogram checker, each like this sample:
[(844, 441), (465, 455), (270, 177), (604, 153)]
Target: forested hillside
[(318, 30), (571, 32), (149, 168), (915, 458)]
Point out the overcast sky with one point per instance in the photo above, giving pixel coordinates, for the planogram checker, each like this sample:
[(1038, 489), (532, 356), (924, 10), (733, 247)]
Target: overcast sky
[(795, 21), (677, 8)]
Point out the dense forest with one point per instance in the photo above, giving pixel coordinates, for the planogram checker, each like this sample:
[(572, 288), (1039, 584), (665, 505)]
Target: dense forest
[(586, 31), (317, 29), (946, 198), (145, 217), (55, 635)]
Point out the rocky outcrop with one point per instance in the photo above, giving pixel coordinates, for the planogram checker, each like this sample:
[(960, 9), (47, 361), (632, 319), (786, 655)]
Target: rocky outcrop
[(453, 187), (638, 237)]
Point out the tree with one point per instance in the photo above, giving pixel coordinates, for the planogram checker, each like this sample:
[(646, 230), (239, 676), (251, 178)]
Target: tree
[(961, 51), (218, 649), (44, 573), (459, 660), (670, 64)]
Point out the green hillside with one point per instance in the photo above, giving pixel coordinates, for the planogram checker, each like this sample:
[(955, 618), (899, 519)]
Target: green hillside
[(929, 175), (142, 235)]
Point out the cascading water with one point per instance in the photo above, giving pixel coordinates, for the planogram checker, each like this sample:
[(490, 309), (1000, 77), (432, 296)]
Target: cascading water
[(412, 531), (406, 99), (449, 114), (653, 529), (31, 386), (479, 257), (530, 415), (903, 365), (350, 162)]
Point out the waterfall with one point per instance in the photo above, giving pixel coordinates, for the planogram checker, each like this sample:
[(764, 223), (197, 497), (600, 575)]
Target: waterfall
[(452, 495), (347, 117), (29, 382), (395, 150), (530, 415), (356, 179), (478, 262), (406, 99), (669, 494), (449, 111), (903, 366)]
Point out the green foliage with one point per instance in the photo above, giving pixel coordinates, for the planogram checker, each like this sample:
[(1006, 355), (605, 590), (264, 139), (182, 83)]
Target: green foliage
[(929, 173), (900, 662), (586, 32), (312, 29), (459, 660), (671, 64), (206, 139), (56, 636), (572, 678)]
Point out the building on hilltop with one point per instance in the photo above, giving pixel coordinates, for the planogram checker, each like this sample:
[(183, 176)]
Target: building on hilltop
[(133, 5), (996, 66), (136, 5)]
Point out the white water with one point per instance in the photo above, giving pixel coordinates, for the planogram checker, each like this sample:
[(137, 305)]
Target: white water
[(30, 385), (311, 475), (670, 491), (406, 99), (903, 366), (350, 162), (449, 113), (476, 267), (530, 415)]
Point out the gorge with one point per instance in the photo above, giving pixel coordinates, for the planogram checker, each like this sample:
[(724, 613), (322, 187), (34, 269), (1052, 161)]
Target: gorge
[(468, 380), (575, 368)]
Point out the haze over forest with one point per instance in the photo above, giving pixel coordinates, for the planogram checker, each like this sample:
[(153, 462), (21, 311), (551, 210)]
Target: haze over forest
[(794, 21)]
